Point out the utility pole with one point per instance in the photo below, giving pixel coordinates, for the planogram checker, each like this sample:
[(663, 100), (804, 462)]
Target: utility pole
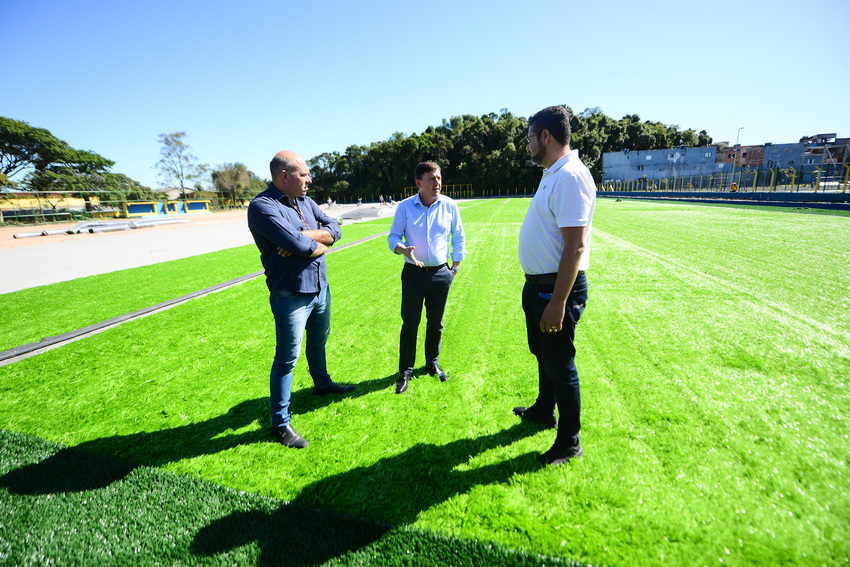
[(735, 159)]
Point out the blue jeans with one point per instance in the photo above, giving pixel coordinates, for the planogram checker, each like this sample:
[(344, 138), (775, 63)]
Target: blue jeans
[(293, 314), (557, 374)]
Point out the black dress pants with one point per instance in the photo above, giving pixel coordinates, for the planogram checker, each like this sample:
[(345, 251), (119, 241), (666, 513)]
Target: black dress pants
[(558, 381), (429, 285)]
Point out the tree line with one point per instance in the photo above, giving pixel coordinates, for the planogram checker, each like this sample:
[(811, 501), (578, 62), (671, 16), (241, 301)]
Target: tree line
[(487, 152), (54, 166)]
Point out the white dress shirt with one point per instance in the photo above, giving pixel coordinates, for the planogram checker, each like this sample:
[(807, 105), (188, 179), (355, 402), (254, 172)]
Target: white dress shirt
[(429, 230)]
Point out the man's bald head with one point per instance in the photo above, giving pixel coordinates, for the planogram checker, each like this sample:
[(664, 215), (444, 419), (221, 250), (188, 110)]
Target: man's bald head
[(285, 161), (290, 174)]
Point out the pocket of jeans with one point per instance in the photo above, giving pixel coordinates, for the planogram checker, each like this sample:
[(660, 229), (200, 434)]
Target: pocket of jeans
[(575, 310), (279, 298)]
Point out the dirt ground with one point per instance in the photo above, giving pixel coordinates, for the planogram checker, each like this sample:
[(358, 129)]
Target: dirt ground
[(349, 213), (8, 240), (42, 260)]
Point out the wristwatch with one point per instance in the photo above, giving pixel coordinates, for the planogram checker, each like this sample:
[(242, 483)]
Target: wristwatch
[(454, 269)]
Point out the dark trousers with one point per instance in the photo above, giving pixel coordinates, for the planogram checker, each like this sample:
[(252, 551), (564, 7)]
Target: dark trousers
[(418, 286), (555, 352)]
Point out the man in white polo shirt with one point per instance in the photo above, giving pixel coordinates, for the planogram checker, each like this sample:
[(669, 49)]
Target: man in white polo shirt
[(554, 252)]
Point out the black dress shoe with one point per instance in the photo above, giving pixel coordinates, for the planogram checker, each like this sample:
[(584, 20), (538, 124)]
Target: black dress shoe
[(532, 414), (556, 456), (401, 383), (435, 370), (334, 388), (287, 436)]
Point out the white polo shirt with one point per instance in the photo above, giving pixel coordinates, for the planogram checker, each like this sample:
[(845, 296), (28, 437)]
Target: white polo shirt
[(565, 197)]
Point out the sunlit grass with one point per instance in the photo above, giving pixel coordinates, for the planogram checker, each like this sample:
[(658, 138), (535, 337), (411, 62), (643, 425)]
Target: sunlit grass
[(713, 356), (30, 315)]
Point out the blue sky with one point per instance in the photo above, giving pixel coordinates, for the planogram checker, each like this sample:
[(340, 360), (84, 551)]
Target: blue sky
[(246, 79)]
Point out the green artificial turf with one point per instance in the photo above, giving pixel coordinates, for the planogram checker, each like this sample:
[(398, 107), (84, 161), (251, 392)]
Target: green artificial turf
[(68, 507), (713, 356), (30, 315)]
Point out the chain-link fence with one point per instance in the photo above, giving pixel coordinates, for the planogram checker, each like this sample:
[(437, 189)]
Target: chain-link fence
[(830, 178), (38, 207)]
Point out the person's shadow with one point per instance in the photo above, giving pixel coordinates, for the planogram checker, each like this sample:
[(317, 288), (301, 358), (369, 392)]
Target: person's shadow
[(100, 462), (394, 490)]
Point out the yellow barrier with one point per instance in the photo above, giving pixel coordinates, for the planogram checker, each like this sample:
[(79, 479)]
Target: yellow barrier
[(139, 209)]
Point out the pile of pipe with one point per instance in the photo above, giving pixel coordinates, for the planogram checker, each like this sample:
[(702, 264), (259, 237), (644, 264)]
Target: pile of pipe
[(95, 227)]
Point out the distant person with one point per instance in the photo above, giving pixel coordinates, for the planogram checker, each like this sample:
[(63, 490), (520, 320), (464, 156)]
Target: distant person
[(381, 199), (554, 252), (422, 228), (293, 235)]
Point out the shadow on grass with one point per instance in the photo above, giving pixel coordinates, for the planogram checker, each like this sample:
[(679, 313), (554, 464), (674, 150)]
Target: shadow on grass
[(304, 401), (100, 462), (89, 465), (393, 490), (209, 524), (314, 528), (311, 530)]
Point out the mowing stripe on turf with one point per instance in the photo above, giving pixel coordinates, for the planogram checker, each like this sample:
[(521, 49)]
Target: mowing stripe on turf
[(49, 343)]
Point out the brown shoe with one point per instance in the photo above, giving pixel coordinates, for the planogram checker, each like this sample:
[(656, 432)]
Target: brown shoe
[(532, 414), (287, 436), (561, 456)]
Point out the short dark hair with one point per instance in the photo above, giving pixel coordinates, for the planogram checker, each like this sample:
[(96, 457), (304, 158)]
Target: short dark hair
[(556, 119), (280, 163), (425, 167)]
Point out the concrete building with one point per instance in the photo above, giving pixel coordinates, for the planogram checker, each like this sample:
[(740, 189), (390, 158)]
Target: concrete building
[(824, 150), (782, 156), (660, 164)]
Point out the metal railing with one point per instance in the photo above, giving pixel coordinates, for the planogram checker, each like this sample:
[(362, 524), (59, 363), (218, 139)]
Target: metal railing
[(831, 178), (42, 207)]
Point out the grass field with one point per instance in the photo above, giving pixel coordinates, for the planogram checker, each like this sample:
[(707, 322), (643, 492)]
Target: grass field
[(51, 310), (713, 356)]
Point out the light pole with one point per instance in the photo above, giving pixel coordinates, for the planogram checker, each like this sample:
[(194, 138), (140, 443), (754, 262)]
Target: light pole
[(735, 159)]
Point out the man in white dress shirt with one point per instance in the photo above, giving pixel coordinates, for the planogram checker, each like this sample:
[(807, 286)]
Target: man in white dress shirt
[(422, 228)]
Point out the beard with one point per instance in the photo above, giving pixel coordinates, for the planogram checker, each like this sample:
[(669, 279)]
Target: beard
[(537, 157)]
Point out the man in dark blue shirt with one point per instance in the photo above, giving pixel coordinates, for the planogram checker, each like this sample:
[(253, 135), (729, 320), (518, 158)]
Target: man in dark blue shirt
[(293, 234)]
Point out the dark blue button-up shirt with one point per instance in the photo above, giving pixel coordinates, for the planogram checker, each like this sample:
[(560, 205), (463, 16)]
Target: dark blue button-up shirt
[(275, 222)]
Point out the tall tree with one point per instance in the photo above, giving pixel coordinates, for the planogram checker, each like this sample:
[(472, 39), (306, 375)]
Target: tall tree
[(232, 181), (23, 146), (58, 169), (131, 189), (54, 165), (178, 165), (77, 173), (488, 152)]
